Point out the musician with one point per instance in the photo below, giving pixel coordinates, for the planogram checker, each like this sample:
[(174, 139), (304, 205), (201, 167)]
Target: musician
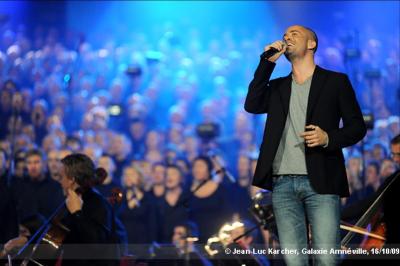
[(246, 241), (27, 227), (391, 199), (389, 203), (90, 218), (183, 239), (301, 159)]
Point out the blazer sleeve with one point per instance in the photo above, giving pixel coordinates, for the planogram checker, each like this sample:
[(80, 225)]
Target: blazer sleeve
[(259, 92), (354, 128)]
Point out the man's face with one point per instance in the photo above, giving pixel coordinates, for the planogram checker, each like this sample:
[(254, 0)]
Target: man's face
[(298, 42), (34, 165), (73, 145), (159, 174), (178, 238), (106, 163), (395, 152), (137, 130), (65, 181), (52, 162)]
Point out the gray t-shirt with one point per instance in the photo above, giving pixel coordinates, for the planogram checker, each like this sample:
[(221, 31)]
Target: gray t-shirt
[(290, 157)]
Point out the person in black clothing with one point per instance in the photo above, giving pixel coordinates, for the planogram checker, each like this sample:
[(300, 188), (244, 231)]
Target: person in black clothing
[(301, 159), (38, 192), (391, 186), (241, 189), (13, 113), (90, 219), (107, 189), (8, 212), (137, 131), (183, 238), (5, 108), (391, 199), (27, 227), (107, 163), (137, 213), (39, 119), (171, 208), (158, 180), (390, 191), (209, 202)]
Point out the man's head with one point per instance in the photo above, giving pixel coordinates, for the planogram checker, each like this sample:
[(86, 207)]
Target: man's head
[(158, 173), (395, 149), (74, 144), (185, 232), (52, 163), (301, 41), (107, 162), (35, 165), (78, 170)]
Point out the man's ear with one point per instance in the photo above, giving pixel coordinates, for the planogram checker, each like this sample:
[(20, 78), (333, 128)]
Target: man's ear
[(311, 44)]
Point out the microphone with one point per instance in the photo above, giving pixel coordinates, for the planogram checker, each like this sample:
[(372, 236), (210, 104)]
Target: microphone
[(269, 53)]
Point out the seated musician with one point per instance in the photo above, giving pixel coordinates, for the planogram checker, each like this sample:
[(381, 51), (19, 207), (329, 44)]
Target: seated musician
[(27, 227), (389, 192), (182, 250), (391, 189), (240, 242), (92, 238)]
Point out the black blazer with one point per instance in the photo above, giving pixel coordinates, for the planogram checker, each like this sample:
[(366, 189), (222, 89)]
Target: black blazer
[(331, 98)]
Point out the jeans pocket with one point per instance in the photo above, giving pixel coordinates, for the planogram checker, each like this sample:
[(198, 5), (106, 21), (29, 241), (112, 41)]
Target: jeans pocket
[(277, 181)]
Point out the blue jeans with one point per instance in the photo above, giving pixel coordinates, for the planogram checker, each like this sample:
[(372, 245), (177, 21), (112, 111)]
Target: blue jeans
[(293, 201)]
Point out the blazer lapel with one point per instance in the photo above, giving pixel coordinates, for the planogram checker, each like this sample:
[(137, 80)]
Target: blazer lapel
[(317, 84), (285, 90)]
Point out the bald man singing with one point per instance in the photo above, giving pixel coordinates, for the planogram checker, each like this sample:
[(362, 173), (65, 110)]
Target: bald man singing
[(301, 159)]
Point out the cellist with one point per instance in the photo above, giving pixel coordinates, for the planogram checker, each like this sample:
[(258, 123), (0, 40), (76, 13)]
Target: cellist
[(389, 190), (90, 219)]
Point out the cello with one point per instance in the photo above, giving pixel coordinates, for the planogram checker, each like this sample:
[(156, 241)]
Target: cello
[(370, 224), (44, 246)]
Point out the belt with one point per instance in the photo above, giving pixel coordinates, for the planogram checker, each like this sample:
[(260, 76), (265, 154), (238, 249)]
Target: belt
[(289, 175)]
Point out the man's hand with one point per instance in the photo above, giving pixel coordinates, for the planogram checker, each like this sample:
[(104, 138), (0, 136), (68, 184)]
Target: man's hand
[(280, 46), (15, 243), (74, 201), (315, 136)]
